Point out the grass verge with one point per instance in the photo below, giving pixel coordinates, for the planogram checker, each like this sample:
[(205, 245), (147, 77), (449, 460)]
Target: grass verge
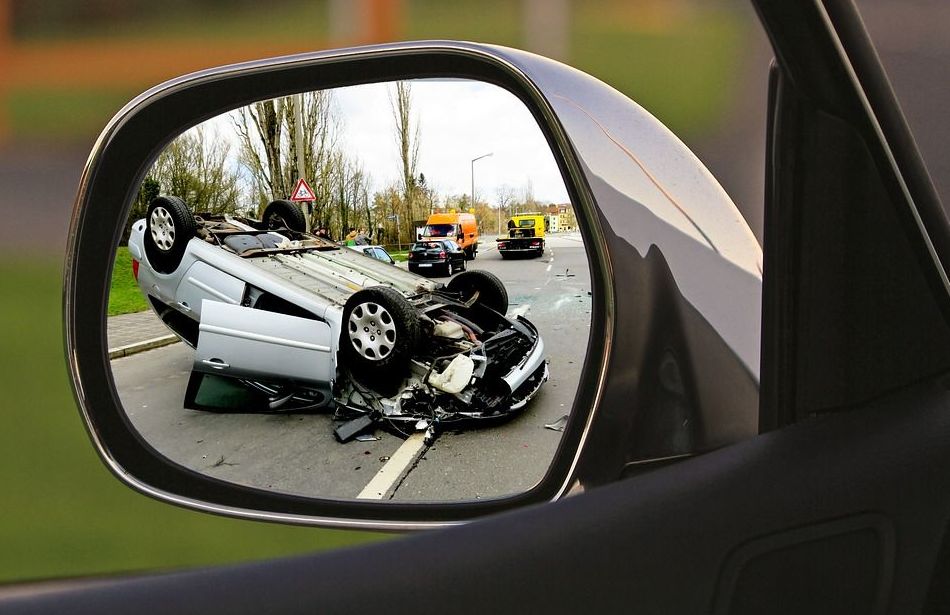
[(124, 294)]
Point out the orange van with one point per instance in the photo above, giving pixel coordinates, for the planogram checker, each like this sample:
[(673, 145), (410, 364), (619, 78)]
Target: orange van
[(458, 226)]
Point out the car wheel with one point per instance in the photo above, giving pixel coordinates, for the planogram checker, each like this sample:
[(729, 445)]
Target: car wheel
[(464, 266), (284, 214), (380, 333), (169, 226), (449, 270), (491, 290)]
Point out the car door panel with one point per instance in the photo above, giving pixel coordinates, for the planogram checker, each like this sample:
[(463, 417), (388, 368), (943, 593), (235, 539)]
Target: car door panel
[(203, 281), (244, 342)]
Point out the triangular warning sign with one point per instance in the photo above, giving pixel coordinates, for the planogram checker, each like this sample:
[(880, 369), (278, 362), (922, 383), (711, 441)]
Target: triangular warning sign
[(303, 192)]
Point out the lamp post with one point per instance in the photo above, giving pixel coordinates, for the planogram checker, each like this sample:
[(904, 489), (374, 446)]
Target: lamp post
[(473, 174)]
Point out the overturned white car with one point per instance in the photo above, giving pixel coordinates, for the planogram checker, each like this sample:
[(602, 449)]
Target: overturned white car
[(282, 320)]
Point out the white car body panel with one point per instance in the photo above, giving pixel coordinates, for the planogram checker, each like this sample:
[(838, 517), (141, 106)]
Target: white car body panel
[(248, 343)]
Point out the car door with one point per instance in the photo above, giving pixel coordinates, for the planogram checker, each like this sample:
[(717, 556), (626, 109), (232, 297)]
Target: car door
[(241, 342)]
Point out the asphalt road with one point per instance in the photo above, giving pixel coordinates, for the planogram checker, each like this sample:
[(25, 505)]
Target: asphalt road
[(299, 454)]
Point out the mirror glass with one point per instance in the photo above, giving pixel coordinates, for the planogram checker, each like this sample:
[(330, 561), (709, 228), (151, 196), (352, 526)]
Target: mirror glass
[(374, 292)]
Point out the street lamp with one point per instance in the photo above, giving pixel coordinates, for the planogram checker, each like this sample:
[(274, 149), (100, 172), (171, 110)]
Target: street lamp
[(473, 173)]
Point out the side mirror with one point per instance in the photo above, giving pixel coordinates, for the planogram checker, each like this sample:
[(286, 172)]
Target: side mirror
[(652, 337)]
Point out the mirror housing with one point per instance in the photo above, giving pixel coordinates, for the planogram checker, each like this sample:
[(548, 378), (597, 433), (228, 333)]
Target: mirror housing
[(672, 364)]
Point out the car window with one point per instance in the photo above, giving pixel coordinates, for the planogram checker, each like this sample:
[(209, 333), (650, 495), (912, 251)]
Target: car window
[(439, 230)]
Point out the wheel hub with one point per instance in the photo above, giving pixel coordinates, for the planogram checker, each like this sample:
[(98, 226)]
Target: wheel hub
[(162, 227), (372, 331)]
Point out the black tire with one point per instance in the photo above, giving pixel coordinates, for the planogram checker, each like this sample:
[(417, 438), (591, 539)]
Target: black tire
[(284, 214), (169, 226), (464, 266), (382, 356), (448, 267), (491, 290), (469, 253)]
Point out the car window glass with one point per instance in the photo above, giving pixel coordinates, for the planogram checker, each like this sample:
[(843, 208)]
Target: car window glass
[(256, 353)]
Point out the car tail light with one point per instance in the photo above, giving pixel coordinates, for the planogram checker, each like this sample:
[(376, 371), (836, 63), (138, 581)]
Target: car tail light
[(502, 245), (410, 256), (535, 244), (135, 269), (442, 254)]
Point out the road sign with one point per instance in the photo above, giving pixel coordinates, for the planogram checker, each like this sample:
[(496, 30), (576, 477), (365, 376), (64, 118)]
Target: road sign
[(303, 192)]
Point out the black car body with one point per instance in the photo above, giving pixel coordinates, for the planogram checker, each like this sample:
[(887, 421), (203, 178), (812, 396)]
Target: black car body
[(436, 257)]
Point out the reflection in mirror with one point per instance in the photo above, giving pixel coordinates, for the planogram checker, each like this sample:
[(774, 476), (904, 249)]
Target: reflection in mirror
[(392, 303)]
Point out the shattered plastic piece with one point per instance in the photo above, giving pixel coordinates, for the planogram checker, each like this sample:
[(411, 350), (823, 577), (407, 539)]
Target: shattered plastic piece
[(347, 430), (455, 377), (449, 329), (367, 437), (557, 425), (422, 424)]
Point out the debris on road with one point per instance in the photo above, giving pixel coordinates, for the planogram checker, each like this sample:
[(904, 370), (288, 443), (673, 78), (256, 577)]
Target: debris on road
[(557, 425)]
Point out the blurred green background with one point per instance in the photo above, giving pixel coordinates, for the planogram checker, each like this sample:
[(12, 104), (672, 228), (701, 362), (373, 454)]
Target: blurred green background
[(71, 65)]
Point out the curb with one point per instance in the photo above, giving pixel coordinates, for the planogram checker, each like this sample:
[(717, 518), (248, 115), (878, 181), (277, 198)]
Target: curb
[(130, 349)]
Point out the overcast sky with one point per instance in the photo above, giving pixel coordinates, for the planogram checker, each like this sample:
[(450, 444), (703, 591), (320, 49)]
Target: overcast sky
[(458, 120)]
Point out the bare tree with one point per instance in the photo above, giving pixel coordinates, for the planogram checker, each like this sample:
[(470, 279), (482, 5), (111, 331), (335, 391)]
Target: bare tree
[(407, 141), (266, 131), (505, 196), (528, 202), (388, 211), (261, 128), (427, 194), (195, 166)]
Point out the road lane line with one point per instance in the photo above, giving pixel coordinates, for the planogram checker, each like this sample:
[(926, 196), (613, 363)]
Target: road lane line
[(394, 469), (550, 264)]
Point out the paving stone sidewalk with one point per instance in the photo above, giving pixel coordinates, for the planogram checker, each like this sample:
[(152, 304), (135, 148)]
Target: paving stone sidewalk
[(129, 333)]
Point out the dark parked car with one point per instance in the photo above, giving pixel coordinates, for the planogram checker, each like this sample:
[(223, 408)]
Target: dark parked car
[(840, 500), (436, 257)]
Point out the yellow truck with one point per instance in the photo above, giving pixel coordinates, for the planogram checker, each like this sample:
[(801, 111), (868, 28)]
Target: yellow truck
[(525, 236)]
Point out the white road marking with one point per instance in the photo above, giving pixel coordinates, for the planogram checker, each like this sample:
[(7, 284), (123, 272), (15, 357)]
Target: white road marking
[(394, 469), (549, 266), (521, 310)]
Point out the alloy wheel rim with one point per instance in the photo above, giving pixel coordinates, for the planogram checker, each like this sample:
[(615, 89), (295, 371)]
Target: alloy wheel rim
[(372, 331), (162, 227)]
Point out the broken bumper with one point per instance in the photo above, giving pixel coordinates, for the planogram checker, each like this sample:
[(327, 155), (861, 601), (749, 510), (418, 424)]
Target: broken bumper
[(524, 370)]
